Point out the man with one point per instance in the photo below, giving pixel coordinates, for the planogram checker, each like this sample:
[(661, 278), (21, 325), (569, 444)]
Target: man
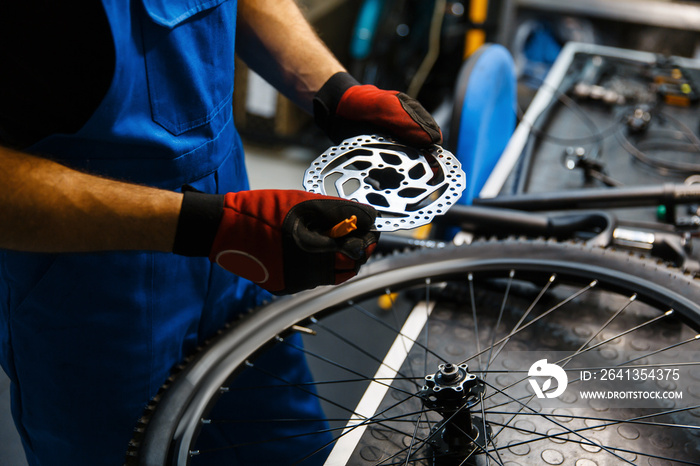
[(118, 150)]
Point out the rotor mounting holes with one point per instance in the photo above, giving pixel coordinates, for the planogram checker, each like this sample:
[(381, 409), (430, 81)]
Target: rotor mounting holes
[(349, 187), (377, 200), (411, 193), (391, 159), (329, 184), (359, 165), (417, 172)]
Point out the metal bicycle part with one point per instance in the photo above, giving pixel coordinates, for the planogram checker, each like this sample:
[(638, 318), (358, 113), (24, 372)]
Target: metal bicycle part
[(480, 304), (407, 186)]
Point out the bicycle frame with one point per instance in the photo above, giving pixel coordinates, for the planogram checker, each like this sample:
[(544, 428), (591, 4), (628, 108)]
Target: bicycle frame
[(523, 215)]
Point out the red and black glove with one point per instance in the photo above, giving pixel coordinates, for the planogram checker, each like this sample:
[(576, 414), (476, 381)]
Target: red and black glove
[(344, 108), (276, 238)]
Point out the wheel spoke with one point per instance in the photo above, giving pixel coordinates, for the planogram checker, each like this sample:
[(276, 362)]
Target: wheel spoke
[(396, 331), (634, 420), (489, 438), (360, 350), (615, 337), (582, 442), (413, 439), (536, 319), (661, 350), (524, 316), (548, 418), (498, 321), (330, 362), (472, 298), (590, 348), (375, 392), (600, 329)]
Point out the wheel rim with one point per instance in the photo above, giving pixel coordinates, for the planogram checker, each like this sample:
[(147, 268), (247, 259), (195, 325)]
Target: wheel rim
[(519, 433)]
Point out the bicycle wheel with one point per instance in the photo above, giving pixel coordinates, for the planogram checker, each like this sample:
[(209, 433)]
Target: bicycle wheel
[(428, 358)]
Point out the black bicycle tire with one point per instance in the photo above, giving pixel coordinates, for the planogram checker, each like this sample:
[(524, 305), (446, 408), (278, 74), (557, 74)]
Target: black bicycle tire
[(171, 419)]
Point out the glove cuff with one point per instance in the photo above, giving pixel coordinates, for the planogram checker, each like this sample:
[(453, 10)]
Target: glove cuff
[(327, 98), (198, 223)]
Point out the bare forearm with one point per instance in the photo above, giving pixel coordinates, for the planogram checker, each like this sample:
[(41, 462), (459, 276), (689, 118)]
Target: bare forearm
[(47, 207), (275, 40)]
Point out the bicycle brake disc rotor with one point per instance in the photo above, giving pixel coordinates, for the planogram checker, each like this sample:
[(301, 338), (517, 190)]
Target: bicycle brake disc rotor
[(407, 186)]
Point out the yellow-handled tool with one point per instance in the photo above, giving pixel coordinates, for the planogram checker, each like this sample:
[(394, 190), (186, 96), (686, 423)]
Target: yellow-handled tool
[(343, 228)]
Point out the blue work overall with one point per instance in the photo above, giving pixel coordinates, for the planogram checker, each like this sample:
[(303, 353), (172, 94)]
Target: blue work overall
[(87, 339)]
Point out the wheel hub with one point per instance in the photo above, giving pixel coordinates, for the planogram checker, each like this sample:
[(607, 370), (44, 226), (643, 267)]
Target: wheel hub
[(452, 392)]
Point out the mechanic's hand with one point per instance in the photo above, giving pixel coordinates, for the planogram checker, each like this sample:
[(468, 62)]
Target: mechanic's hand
[(343, 108), (278, 239)]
